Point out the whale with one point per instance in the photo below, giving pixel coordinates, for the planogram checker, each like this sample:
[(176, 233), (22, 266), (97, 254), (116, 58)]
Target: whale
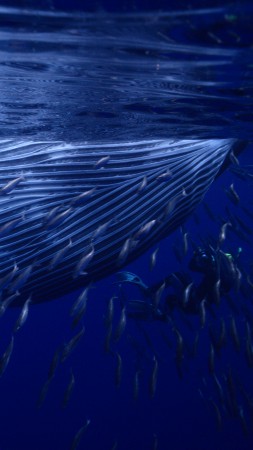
[(73, 213)]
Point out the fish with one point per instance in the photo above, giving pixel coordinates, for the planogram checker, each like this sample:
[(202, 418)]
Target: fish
[(211, 359), (202, 312), (69, 390), (179, 352), (79, 307), (136, 384), (23, 315), (127, 247), (21, 279), (110, 311), (55, 170), (102, 162), (223, 232), (80, 301), (11, 185), (232, 194), (145, 229), (187, 293), (153, 379), (158, 294), (153, 259), (121, 325), (58, 219), (82, 198), (142, 185), (59, 256), (83, 263), (53, 365), (43, 392), (8, 227), (79, 434), (165, 176), (69, 347), (5, 358), (6, 279), (118, 370), (234, 334), (7, 302)]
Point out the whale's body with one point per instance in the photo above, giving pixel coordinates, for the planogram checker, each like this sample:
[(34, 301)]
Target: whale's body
[(126, 194)]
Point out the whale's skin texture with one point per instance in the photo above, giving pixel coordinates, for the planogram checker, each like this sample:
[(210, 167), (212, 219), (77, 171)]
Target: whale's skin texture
[(53, 174)]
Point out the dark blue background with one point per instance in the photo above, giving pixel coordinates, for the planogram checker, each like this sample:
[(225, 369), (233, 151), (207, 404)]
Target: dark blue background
[(177, 414)]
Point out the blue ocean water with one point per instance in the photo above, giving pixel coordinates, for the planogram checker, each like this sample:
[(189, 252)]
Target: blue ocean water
[(111, 77)]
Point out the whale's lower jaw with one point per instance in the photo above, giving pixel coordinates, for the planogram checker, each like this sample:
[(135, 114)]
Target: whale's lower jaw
[(128, 194)]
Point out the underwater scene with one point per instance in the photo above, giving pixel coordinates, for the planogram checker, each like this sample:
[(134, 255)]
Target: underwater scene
[(126, 225)]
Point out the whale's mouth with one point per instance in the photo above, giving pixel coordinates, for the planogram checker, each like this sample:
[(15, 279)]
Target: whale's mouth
[(74, 213)]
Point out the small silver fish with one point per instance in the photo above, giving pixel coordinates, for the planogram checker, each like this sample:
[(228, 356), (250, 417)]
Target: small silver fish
[(5, 280), (5, 358), (211, 359), (69, 390), (233, 158), (101, 230), (153, 380), (23, 315), (202, 311), (78, 436), (187, 292), (101, 162), (59, 256), (185, 243), (43, 392), (127, 247), (216, 291), (118, 370), (153, 259), (11, 185), (234, 334), (53, 364), (4, 304), (142, 186), (121, 325), (81, 301), (223, 232), (232, 194), (110, 311), (9, 226), (58, 219), (52, 214), (83, 263), (136, 384), (169, 208), (179, 352), (158, 294), (69, 347), (21, 279), (164, 176), (82, 198), (145, 229)]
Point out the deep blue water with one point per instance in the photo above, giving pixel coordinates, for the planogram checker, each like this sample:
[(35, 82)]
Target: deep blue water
[(202, 88)]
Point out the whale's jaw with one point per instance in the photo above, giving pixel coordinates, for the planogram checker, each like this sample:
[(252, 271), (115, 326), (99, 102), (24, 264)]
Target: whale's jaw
[(112, 201)]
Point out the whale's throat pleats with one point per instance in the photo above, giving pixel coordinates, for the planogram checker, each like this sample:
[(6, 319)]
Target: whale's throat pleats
[(72, 213)]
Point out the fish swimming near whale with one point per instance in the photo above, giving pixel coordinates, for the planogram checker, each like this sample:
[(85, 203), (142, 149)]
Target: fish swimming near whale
[(52, 174)]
